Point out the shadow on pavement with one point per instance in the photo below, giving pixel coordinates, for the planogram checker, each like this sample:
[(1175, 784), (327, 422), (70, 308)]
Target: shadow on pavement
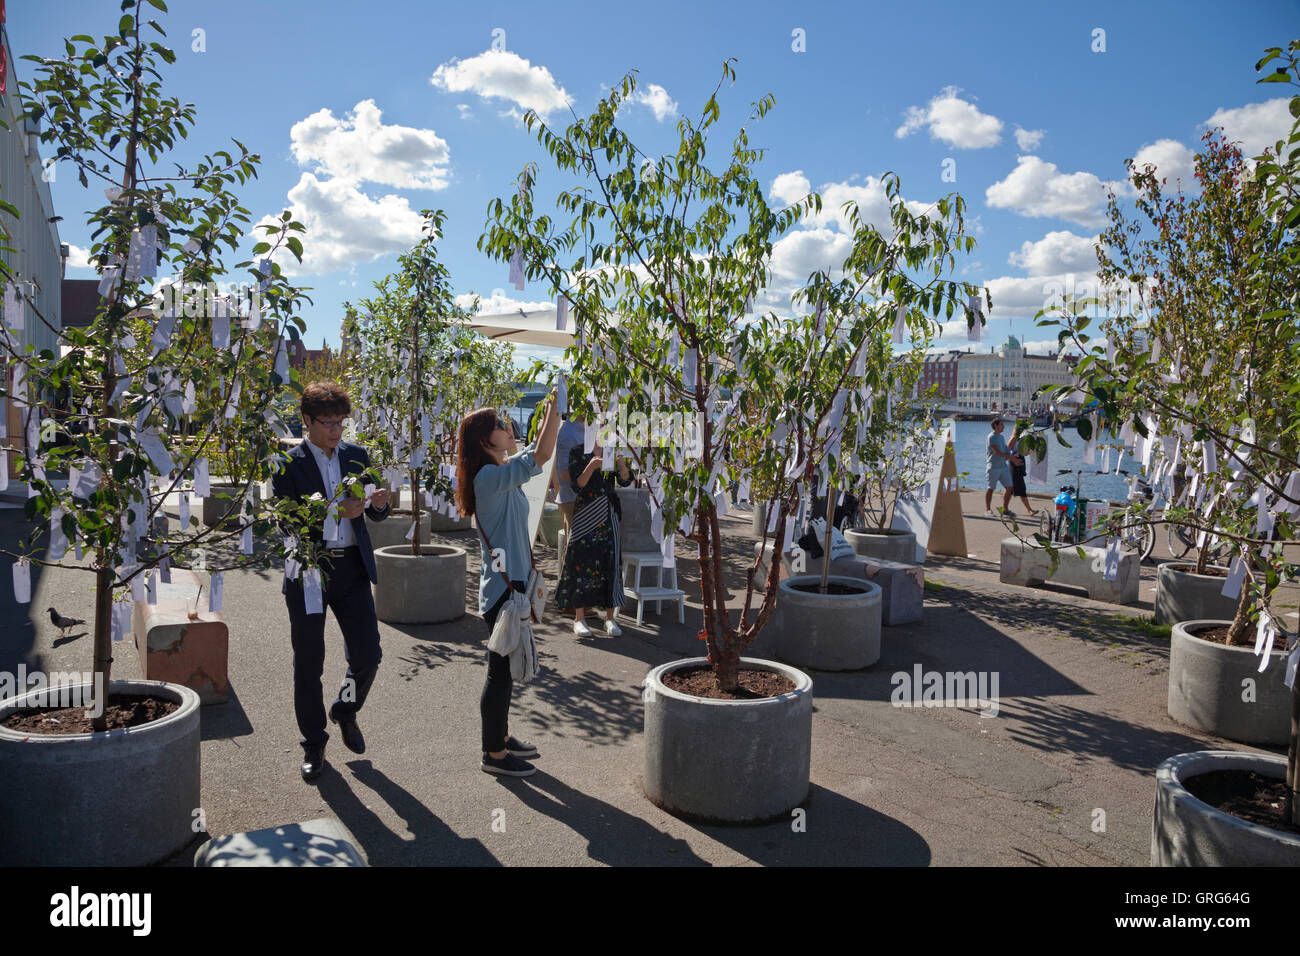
[(588, 706), (221, 721), (613, 837), (838, 831), (1063, 728), (432, 842)]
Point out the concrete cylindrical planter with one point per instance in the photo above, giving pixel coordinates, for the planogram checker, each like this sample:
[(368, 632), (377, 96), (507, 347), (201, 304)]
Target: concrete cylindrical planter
[(731, 761), (1189, 832), (216, 510), (830, 632), (1182, 595), (120, 798), (1207, 687), (440, 523), (889, 545), (392, 530), (550, 525), (426, 589)]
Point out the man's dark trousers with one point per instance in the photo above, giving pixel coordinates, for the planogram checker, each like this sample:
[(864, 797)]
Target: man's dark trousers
[(346, 592)]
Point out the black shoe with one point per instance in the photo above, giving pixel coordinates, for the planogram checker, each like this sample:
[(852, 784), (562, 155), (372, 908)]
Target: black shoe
[(352, 738), (520, 748), (507, 766), (313, 761)]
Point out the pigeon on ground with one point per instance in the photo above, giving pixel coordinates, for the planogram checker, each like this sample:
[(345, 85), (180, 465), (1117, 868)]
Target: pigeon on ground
[(63, 623)]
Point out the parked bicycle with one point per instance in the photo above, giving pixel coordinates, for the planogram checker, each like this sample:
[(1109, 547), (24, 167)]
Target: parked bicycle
[(1067, 521)]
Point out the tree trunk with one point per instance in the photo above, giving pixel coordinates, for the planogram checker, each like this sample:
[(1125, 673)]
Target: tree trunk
[(727, 666), (103, 639), (1241, 620), (826, 547)]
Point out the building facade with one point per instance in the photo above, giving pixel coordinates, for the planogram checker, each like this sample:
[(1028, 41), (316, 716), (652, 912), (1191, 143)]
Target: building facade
[(36, 257), (1005, 380)]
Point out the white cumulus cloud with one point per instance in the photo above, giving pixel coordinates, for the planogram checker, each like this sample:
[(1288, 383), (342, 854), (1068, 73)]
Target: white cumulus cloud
[(657, 99), (1173, 163), (1257, 126), (78, 258), (498, 303), (1028, 139), (954, 121), (345, 226), (790, 187), (798, 254), (499, 74), (360, 146), (1036, 188), (1058, 251)]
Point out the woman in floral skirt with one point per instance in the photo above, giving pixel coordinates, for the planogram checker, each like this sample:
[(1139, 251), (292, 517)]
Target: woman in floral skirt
[(592, 574)]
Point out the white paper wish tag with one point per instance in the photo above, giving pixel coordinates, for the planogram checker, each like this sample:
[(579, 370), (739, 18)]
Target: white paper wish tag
[(246, 540), (22, 581), (1111, 571), (58, 540), (900, 322), (311, 593), (216, 588), (202, 488), (1236, 575), (151, 588)]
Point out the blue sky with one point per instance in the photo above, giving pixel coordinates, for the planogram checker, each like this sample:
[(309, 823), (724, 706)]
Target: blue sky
[(366, 113)]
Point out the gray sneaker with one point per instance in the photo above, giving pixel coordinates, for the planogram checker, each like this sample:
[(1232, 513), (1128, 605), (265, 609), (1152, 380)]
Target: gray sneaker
[(507, 766)]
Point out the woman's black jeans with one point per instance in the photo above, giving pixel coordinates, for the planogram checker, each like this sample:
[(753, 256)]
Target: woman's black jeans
[(494, 704)]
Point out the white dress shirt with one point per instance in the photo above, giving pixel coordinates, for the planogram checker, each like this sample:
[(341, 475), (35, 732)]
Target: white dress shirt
[(331, 473)]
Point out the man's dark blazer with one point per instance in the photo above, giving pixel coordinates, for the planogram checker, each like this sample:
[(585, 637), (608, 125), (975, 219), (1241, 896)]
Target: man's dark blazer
[(301, 479)]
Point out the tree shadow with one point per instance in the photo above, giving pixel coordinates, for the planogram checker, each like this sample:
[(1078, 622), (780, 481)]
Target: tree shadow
[(1052, 726), (432, 842), (588, 706), (613, 837), (834, 830)]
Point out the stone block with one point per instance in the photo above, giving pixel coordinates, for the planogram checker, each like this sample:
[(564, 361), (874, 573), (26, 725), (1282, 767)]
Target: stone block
[(175, 647), (1025, 564)]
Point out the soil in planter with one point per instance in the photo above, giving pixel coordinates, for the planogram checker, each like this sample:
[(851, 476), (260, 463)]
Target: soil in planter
[(120, 711), (831, 588), (1218, 635), (1244, 794), (702, 682)]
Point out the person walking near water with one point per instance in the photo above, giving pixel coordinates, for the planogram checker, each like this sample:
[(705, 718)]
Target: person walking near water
[(1018, 472), (997, 466)]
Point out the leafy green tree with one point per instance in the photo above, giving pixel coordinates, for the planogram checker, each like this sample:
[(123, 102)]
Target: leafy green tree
[(159, 379), (1199, 372), (660, 259), (420, 370)]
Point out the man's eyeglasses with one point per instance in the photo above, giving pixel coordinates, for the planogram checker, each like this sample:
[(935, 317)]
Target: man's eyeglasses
[(334, 426)]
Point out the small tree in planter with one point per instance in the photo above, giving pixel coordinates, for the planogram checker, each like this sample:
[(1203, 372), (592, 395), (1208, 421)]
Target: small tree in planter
[(893, 451), (672, 254), (161, 379), (1198, 374), (419, 370)]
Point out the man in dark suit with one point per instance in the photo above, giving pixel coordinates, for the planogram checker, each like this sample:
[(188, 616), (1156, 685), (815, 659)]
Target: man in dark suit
[(319, 465)]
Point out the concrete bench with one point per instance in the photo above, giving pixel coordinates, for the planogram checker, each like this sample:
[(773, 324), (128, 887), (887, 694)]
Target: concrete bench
[(1029, 564), (902, 585), (321, 842), (177, 648)]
